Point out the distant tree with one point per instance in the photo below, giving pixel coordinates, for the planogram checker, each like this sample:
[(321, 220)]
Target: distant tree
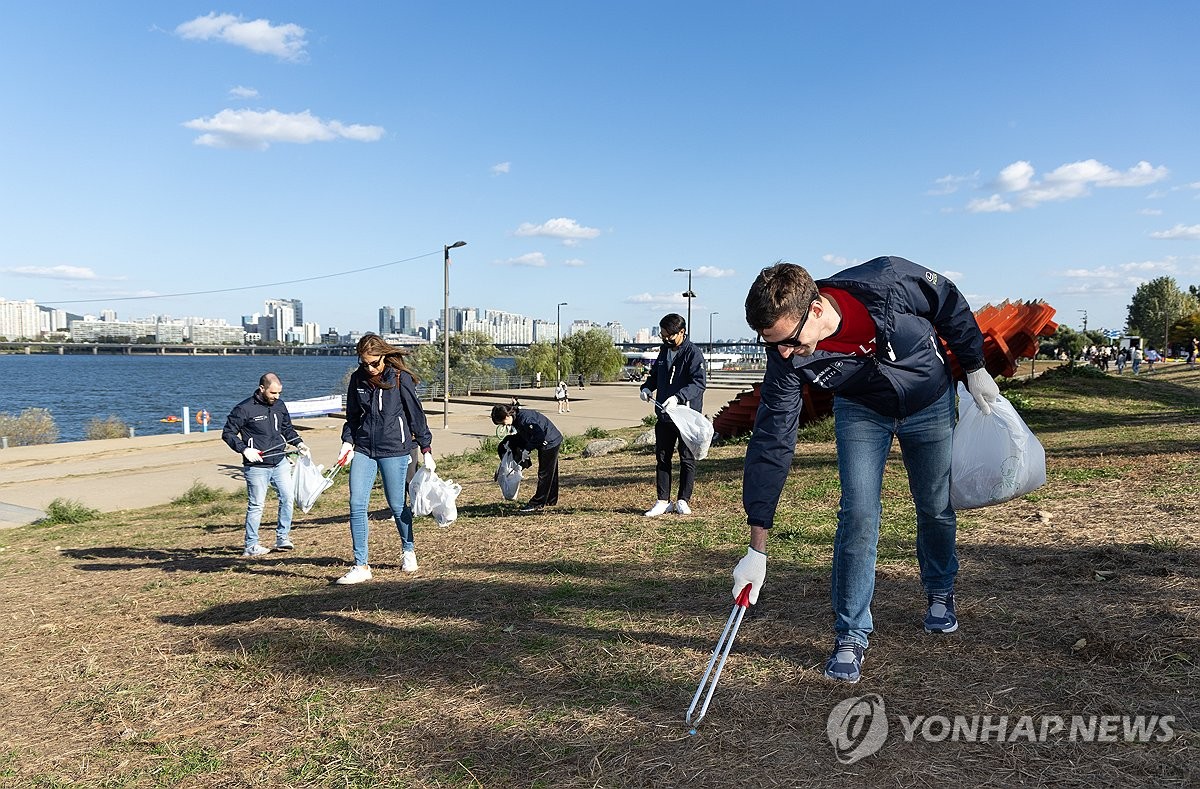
[(1156, 306), (471, 356), (594, 354), (540, 357), (1069, 341)]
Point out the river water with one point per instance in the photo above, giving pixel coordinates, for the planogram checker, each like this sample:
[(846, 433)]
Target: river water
[(141, 390)]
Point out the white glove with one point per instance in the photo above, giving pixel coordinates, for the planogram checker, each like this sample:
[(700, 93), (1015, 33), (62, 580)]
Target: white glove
[(983, 388), (304, 450), (752, 569), (430, 466), (347, 454), (670, 401), (252, 455), (644, 394)]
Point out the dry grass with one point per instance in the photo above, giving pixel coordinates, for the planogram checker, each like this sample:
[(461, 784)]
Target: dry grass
[(563, 649)]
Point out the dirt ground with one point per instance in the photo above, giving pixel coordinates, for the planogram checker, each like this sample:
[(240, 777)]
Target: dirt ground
[(557, 650)]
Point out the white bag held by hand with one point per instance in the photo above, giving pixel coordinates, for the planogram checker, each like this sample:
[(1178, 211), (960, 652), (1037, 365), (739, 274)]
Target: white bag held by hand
[(429, 494), (694, 428), (509, 476), (996, 457), (309, 482)]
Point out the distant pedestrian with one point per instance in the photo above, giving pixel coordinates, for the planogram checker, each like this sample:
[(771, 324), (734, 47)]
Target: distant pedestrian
[(1137, 360), (563, 398), (259, 429), (1122, 359), (581, 380), (532, 432), (537, 379), (1152, 358), (677, 377), (384, 424)]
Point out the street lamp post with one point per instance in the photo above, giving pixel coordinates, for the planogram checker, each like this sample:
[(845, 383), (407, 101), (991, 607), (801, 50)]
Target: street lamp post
[(708, 371), (558, 343), (446, 334), (689, 295), (1084, 320)]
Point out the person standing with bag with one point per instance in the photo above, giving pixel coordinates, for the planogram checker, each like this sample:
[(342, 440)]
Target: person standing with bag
[(384, 423), (563, 398), (532, 431), (873, 335), (677, 376)]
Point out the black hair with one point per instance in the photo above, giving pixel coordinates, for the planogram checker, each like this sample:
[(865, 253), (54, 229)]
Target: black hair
[(671, 323), (500, 412)]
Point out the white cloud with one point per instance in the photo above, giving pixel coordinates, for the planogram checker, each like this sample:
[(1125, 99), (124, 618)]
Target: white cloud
[(949, 184), (658, 301), (257, 130), (1066, 182), (285, 42), (954, 276), (574, 262), (1117, 280), (713, 272), (1015, 177), (241, 92), (568, 230), (501, 169), (53, 272), (534, 259), (1179, 232), (839, 262), (1150, 211), (993, 204)]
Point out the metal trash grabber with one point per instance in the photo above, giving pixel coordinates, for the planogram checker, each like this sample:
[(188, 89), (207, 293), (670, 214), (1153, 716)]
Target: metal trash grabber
[(727, 635)]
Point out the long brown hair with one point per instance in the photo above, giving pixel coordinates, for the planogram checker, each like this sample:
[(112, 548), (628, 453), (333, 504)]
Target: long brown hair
[(374, 345)]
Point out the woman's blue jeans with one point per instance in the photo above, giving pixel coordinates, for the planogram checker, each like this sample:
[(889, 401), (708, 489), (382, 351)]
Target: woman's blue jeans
[(363, 470), (864, 438)]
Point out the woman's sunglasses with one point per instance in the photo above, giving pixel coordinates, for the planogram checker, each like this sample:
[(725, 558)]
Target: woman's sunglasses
[(372, 365)]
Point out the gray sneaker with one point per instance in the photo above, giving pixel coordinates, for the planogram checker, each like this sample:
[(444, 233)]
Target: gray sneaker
[(255, 551), (284, 544)]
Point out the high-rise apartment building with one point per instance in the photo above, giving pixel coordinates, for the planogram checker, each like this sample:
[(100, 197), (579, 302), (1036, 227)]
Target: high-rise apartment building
[(387, 321)]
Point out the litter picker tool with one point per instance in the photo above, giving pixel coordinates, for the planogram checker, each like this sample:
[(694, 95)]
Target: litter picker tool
[(724, 644)]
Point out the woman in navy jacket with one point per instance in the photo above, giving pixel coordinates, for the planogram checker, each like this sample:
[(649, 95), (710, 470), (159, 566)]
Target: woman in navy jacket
[(384, 424), (532, 431)]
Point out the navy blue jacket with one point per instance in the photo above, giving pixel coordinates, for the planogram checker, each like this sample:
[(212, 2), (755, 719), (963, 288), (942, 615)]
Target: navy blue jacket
[(684, 379), (534, 432), (253, 423), (911, 307), (385, 423)]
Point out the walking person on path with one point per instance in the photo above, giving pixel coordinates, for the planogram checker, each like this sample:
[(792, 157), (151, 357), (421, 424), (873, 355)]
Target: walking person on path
[(384, 424), (532, 432), (563, 397), (677, 377), (259, 429), (873, 335)]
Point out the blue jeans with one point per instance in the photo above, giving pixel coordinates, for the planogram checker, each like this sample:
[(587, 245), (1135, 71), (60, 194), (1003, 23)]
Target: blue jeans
[(395, 487), (864, 438), (258, 477)]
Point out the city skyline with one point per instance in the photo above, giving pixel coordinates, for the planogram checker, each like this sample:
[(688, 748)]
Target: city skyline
[(241, 152)]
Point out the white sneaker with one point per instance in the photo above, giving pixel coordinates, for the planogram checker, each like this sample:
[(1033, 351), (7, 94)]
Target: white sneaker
[(659, 508), (682, 507), (409, 563), (358, 573), (255, 551)]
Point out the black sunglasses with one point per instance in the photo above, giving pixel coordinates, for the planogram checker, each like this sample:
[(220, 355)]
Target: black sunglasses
[(792, 340), (372, 365)]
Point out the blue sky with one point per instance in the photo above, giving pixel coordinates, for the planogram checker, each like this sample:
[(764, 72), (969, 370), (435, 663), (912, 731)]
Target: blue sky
[(584, 150)]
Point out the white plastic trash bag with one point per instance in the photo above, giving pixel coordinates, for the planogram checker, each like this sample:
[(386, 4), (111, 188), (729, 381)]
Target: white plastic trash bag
[(309, 482), (420, 492), (509, 476), (996, 457), (429, 494), (694, 428)]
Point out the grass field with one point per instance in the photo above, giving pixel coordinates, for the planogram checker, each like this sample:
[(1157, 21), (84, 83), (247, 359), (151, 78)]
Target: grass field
[(562, 650)]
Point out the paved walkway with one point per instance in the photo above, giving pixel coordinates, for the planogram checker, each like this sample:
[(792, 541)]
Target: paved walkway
[(131, 473)]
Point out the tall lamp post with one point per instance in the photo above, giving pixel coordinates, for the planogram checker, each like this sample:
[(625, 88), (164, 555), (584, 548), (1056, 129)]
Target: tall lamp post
[(708, 370), (1084, 320), (689, 295), (446, 334), (558, 343)]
